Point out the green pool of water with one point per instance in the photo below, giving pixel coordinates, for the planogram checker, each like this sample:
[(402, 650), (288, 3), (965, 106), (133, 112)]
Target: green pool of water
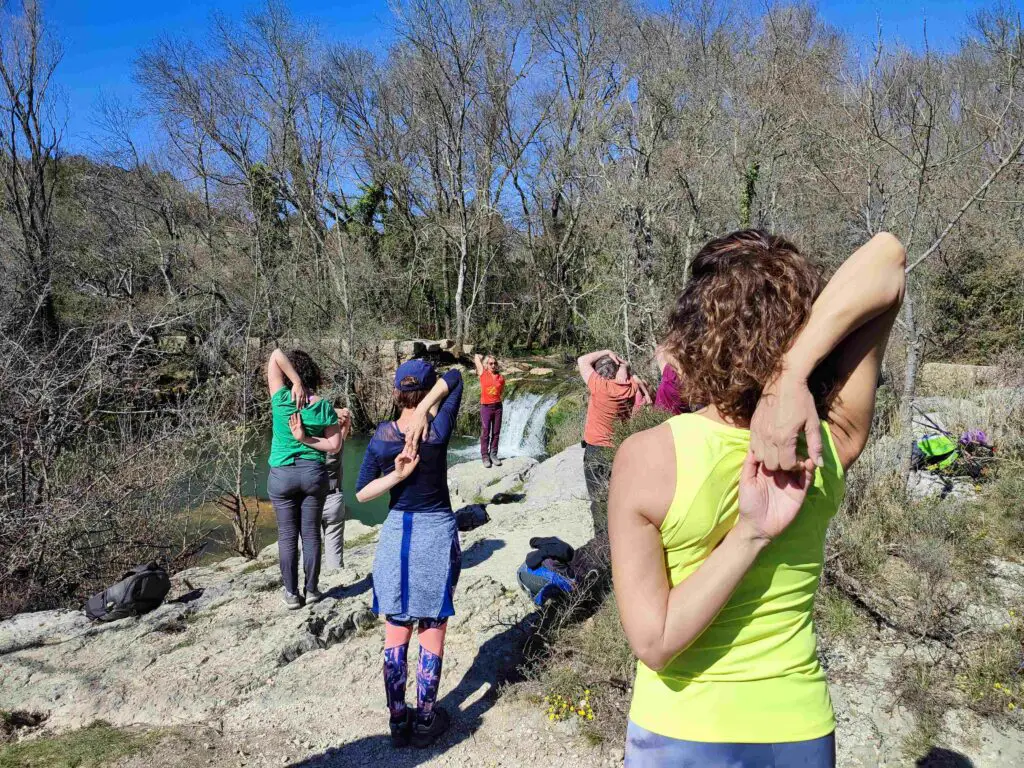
[(218, 541)]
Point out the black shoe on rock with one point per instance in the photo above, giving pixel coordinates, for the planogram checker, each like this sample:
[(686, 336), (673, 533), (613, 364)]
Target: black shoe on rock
[(401, 730), (425, 734)]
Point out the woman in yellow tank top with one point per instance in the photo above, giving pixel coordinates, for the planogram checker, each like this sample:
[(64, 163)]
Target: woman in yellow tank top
[(717, 518)]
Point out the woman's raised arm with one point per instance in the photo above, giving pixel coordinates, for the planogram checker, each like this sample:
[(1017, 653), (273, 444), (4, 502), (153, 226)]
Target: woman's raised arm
[(865, 293), (280, 372)]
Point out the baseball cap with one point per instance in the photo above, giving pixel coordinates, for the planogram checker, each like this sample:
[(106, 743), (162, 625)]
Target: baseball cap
[(420, 370)]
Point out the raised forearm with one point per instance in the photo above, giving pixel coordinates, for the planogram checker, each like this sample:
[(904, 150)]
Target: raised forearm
[(870, 282), (436, 394), (280, 359), (683, 612), (592, 357)]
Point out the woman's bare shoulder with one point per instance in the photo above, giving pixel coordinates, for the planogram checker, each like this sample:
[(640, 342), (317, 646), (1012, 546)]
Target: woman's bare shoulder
[(645, 470)]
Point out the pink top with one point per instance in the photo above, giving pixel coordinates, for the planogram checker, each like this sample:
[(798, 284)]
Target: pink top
[(668, 398)]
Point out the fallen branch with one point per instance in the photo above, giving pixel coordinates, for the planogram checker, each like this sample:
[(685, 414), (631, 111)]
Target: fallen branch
[(879, 607)]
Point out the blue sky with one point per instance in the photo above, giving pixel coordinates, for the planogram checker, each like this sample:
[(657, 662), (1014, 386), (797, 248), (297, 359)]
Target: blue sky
[(102, 37)]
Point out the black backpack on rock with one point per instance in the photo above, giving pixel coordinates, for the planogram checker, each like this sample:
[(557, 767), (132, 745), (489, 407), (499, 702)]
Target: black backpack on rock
[(140, 591)]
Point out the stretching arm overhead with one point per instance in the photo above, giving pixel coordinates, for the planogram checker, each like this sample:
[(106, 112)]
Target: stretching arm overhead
[(585, 363), (849, 323), (448, 412), (443, 400), (280, 372)]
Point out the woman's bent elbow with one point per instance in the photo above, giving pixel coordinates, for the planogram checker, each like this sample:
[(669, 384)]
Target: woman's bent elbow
[(654, 660), (893, 250), (651, 654)]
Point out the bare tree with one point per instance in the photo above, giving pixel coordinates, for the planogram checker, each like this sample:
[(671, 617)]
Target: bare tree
[(30, 135)]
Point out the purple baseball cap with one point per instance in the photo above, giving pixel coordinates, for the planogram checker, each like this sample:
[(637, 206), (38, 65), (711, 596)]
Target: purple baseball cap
[(420, 370)]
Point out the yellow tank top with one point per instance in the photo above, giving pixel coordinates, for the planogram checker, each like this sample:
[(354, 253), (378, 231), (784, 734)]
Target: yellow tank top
[(753, 675)]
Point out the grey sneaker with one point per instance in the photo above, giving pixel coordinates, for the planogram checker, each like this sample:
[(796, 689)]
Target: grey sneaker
[(495, 459), (487, 461), (313, 596), (292, 602)]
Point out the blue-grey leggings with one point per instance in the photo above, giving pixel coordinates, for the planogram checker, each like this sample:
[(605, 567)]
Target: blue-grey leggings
[(297, 492), (651, 750)]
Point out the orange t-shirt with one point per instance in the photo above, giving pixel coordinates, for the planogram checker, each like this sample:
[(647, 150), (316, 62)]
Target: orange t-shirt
[(610, 401), (492, 385)]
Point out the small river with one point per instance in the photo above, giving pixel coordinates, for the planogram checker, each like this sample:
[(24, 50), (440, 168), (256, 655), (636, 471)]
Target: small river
[(373, 512), (522, 434), (220, 536)]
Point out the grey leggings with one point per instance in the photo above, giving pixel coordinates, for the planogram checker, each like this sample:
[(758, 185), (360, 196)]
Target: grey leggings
[(297, 492), (650, 750)]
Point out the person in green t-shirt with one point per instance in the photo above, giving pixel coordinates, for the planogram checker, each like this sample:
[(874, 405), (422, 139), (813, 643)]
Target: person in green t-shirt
[(305, 430)]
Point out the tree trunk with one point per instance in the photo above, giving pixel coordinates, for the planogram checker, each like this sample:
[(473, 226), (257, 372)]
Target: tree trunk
[(461, 329), (748, 193)]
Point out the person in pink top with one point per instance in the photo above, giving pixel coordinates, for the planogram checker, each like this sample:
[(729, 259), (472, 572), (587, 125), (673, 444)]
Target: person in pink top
[(668, 397)]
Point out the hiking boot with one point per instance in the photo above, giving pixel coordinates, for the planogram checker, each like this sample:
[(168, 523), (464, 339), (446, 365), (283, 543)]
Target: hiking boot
[(292, 602), (401, 730), (313, 596), (495, 459), (425, 734), (487, 461)]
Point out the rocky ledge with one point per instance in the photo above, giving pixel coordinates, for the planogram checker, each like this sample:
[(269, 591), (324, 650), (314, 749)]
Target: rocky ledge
[(223, 675), (273, 687)]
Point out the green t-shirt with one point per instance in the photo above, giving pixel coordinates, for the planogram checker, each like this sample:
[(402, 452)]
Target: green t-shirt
[(316, 417)]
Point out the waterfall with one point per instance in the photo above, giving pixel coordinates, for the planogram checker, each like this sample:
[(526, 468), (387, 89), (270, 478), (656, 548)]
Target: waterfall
[(522, 427)]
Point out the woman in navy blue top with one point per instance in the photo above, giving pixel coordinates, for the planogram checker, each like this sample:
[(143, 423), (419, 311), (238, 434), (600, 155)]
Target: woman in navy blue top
[(418, 558)]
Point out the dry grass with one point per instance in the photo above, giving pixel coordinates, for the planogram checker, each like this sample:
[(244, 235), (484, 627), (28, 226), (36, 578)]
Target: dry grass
[(90, 747), (836, 617), (920, 687), (587, 662), (990, 672)]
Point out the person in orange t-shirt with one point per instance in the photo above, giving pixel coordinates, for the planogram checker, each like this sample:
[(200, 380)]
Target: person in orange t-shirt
[(615, 394), (492, 386)]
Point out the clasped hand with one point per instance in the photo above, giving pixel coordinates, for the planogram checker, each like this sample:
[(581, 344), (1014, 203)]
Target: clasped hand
[(775, 479)]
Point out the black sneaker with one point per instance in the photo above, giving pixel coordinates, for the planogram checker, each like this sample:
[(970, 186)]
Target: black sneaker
[(401, 730), (495, 459), (425, 734), (313, 596), (487, 461), (292, 602)]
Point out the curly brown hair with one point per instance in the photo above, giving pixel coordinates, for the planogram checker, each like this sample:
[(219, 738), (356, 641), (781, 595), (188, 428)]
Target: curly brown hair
[(309, 372), (749, 294)]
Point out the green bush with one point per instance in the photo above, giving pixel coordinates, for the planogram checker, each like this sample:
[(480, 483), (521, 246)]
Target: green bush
[(563, 426)]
